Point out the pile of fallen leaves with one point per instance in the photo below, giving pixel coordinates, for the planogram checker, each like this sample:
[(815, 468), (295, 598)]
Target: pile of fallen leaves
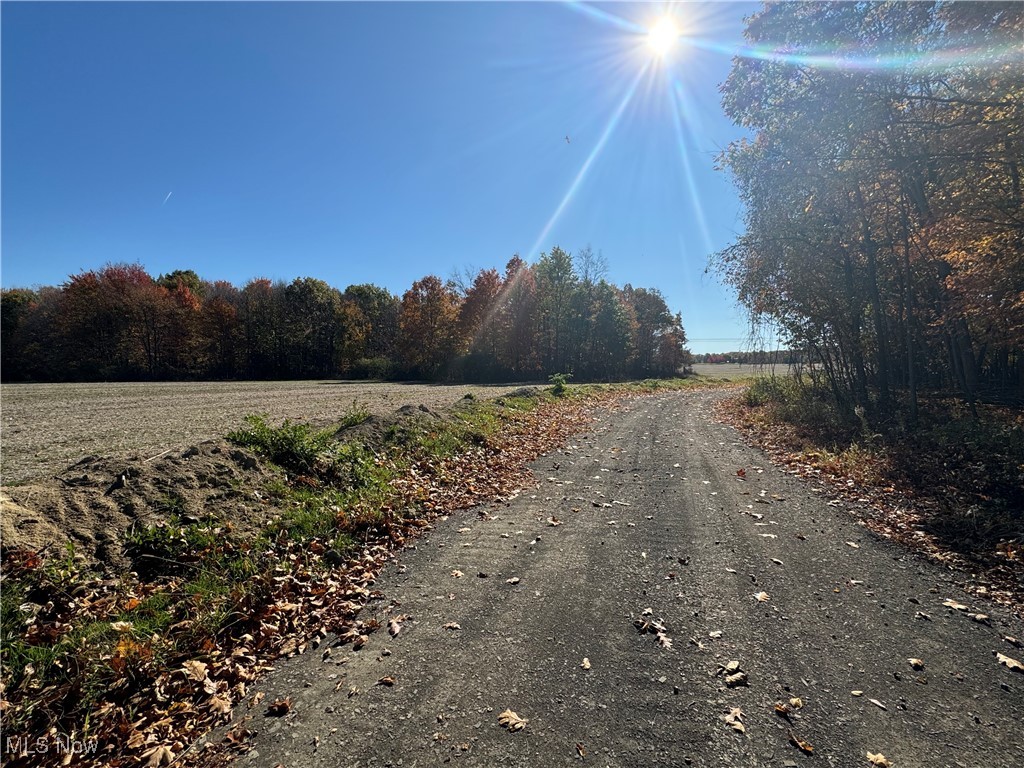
[(149, 700), (872, 483)]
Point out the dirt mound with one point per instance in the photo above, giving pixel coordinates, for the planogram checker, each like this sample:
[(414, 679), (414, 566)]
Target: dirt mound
[(97, 501)]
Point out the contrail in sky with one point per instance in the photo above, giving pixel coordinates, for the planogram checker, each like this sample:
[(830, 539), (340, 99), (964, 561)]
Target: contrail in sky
[(167, 198)]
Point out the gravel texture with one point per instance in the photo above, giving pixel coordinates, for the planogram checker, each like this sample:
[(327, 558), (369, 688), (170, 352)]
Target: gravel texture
[(656, 526)]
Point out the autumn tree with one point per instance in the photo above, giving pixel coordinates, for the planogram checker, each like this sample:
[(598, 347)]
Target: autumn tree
[(428, 326), (883, 202)]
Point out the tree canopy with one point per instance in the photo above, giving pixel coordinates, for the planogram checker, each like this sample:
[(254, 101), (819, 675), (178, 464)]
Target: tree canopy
[(884, 220), (556, 316)]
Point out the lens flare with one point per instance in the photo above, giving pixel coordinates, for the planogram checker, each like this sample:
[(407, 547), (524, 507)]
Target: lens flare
[(663, 36)]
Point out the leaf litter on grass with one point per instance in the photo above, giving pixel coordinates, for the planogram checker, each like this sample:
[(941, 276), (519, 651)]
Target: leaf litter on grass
[(292, 600)]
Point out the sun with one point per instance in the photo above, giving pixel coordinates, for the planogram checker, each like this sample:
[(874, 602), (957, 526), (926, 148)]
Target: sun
[(663, 36)]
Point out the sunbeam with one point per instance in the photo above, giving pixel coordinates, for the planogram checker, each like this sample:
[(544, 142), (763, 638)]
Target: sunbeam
[(605, 135), (679, 108)]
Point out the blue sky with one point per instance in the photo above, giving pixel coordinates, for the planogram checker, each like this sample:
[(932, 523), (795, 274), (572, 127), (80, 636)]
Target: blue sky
[(359, 142)]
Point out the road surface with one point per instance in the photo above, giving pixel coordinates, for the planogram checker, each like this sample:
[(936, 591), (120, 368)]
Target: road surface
[(657, 527)]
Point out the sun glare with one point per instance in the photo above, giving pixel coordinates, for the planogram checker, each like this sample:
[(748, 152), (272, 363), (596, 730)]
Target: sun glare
[(663, 36)]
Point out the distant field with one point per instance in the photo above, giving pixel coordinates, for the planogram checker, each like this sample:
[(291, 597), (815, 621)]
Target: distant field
[(47, 427), (736, 371)]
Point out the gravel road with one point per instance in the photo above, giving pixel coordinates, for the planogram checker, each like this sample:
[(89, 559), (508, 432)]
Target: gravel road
[(655, 520)]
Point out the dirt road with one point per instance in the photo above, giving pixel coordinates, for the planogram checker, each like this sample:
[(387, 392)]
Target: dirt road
[(658, 527)]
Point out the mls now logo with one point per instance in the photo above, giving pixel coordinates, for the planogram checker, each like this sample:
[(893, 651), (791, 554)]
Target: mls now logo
[(23, 746)]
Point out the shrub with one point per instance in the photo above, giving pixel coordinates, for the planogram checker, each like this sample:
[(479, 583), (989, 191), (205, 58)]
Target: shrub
[(558, 383), (292, 445)]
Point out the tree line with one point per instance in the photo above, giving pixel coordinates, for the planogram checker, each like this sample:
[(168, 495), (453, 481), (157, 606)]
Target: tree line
[(883, 200), (558, 315)]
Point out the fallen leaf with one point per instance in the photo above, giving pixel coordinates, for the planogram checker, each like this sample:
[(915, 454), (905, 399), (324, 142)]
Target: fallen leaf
[(731, 570), (585, 664), (513, 580), (279, 707), (981, 618), (220, 704), (856, 693), (777, 561), (955, 605), (387, 680), (796, 703), (916, 663), (736, 679), (879, 704), (395, 624), (741, 473), (735, 720), (853, 544), (664, 640), (158, 756), (1006, 661), (715, 635), (800, 744), (553, 521), (458, 574), (762, 597), (512, 721), (465, 530), (879, 760), (195, 670), (580, 750), (1013, 641), (451, 625), (121, 626)]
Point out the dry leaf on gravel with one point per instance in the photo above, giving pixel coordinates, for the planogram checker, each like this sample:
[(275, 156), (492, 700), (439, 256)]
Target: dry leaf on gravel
[(580, 750), (395, 624), (735, 720), (451, 625), (1013, 641), (853, 544), (796, 703), (916, 663), (387, 681), (879, 704), (457, 574), (512, 721), (800, 744), (1006, 661), (664, 640), (762, 597), (955, 605), (879, 760), (585, 664), (220, 704), (737, 679), (553, 521), (279, 707), (513, 580)]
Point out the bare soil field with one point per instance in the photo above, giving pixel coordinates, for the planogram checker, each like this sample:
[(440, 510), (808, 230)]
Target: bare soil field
[(739, 371), (48, 427)]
